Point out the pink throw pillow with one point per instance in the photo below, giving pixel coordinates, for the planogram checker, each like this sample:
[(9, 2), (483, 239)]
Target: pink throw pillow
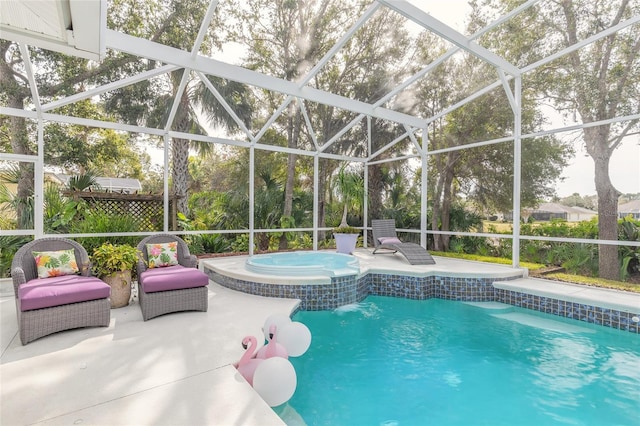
[(389, 240)]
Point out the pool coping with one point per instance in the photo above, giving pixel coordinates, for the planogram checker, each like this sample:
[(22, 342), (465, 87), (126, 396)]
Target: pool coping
[(449, 279), (576, 293)]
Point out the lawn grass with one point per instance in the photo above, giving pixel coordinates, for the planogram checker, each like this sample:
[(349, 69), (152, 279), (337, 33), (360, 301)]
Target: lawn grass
[(569, 278)]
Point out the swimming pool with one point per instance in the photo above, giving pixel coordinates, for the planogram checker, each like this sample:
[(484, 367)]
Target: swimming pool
[(392, 361), (303, 263)]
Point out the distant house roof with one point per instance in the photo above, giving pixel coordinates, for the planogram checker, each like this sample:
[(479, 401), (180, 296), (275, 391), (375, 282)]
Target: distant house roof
[(111, 184), (550, 208), (577, 209), (630, 207), (559, 208)]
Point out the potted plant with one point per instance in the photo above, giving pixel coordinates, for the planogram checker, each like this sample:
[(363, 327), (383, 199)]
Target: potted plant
[(346, 238), (349, 186), (113, 264)]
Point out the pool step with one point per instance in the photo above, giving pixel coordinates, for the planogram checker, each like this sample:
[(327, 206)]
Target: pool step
[(594, 296), (492, 306), (548, 324)]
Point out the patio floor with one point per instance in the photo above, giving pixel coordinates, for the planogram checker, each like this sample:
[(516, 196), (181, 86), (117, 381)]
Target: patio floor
[(173, 369)]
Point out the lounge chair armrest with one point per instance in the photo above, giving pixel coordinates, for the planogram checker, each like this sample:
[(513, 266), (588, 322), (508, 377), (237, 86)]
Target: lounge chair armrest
[(18, 278), (141, 267), (85, 270), (191, 261)]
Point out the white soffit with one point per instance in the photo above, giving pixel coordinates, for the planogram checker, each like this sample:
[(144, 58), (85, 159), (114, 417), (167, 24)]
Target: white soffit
[(72, 27)]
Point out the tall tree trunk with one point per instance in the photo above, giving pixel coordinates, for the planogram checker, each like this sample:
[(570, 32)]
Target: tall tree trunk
[(293, 125), (375, 193), (20, 145), (608, 262), (614, 66), (437, 189), (180, 155), (446, 180), (18, 136), (445, 208), (438, 244), (180, 173), (322, 189)]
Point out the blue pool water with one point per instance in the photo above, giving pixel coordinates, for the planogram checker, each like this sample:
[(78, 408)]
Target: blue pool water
[(303, 263), (392, 361)]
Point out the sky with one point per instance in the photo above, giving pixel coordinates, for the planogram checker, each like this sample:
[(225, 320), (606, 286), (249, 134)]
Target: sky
[(624, 171), (578, 176)]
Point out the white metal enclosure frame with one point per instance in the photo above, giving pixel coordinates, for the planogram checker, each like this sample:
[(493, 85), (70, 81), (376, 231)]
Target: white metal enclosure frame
[(415, 127)]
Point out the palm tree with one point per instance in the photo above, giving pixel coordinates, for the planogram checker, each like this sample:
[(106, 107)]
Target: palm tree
[(349, 185), (197, 102), (82, 181)]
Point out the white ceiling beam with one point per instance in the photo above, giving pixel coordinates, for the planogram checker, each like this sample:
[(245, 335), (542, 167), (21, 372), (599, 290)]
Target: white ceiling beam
[(457, 105), (587, 41), (177, 98), (272, 119), (263, 147), (81, 121), (452, 51), (204, 26), (392, 143), (307, 120), (392, 159), (109, 87), (412, 136), (26, 60), (535, 65), (72, 27), (344, 130), (148, 49), (89, 20), (507, 89), (224, 104), (422, 18), (471, 145), (207, 138), (336, 47)]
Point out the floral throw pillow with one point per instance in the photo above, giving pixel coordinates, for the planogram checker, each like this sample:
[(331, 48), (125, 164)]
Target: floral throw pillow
[(55, 263), (162, 254)]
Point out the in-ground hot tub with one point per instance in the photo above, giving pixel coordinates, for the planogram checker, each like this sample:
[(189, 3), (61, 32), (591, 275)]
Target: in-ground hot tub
[(303, 263)]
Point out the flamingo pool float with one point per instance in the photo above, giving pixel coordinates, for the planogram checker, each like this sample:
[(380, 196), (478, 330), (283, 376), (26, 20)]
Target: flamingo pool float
[(248, 364), (273, 348)]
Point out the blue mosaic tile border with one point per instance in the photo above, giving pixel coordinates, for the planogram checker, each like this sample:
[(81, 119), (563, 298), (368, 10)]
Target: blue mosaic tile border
[(313, 297), (591, 314), (352, 289)]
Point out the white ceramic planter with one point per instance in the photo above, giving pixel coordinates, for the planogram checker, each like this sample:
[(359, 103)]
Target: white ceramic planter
[(346, 243)]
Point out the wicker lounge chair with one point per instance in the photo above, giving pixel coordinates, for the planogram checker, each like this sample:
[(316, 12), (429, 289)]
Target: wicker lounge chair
[(176, 288), (48, 305), (386, 240)]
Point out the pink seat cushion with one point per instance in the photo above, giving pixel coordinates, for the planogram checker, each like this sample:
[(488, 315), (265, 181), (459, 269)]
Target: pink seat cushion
[(172, 278), (55, 291)]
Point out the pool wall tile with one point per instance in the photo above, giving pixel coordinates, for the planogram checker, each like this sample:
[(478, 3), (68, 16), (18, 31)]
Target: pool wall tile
[(349, 289), (578, 311)]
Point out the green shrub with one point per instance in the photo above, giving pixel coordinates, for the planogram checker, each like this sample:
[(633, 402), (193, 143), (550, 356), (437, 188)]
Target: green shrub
[(9, 245), (100, 222), (241, 243), (108, 259), (629, 230), (215, 243)]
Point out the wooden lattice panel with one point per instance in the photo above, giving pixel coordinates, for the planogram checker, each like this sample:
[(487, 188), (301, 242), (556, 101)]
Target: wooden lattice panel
[(146, 209)]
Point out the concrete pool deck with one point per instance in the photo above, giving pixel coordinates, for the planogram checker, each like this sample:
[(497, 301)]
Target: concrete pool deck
[(174, 369)]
